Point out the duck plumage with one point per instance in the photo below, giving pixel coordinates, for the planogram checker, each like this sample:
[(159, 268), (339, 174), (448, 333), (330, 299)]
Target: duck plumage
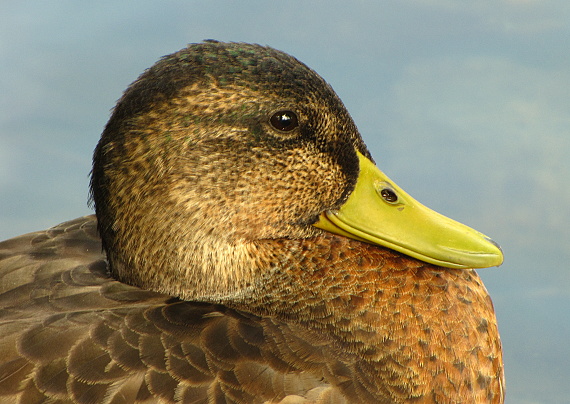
[(215, 283)]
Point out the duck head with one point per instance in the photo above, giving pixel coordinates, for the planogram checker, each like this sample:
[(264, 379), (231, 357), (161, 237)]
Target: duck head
[(220, 147)]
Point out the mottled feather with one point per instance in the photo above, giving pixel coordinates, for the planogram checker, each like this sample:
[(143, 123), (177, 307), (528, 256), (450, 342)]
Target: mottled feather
[(70, 332)]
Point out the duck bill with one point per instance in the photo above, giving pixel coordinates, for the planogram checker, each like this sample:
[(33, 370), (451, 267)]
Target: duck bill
[(379, 212)]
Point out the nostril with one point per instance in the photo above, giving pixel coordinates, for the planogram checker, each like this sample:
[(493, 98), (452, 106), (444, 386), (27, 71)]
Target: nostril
[(389, 195)]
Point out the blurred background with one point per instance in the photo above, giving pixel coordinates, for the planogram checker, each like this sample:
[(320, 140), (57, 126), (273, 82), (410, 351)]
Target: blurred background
[(465, 104)]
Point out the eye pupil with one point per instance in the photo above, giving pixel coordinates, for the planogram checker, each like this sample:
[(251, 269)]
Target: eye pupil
[(389, 195), (284, 121)]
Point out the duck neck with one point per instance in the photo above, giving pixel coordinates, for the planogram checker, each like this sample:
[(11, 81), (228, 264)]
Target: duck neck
[(329, 275), (412, 320)]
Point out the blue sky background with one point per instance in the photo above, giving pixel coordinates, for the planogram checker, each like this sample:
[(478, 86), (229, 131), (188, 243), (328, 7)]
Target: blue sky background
[(465, 104)]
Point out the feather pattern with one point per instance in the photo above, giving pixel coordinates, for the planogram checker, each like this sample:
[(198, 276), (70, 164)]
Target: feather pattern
[(71, 333)]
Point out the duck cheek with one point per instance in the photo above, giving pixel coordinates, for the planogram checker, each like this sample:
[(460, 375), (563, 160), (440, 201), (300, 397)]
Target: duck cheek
[(339, 169), (285, 213)]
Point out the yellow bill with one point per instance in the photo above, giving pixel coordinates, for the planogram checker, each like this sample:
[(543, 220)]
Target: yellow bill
[(379, 212)]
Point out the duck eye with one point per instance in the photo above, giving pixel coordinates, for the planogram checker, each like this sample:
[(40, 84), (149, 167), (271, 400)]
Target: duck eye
[(284, 121)]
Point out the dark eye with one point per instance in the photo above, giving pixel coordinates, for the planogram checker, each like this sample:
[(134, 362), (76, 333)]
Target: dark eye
[(284, 121)]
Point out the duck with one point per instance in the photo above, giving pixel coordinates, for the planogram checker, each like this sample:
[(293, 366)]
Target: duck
[(245, 248)]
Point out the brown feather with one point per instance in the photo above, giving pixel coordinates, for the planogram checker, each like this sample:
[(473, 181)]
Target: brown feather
[(387, 330)]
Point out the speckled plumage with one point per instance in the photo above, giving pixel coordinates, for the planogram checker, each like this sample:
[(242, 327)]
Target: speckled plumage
[(199, 198)]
